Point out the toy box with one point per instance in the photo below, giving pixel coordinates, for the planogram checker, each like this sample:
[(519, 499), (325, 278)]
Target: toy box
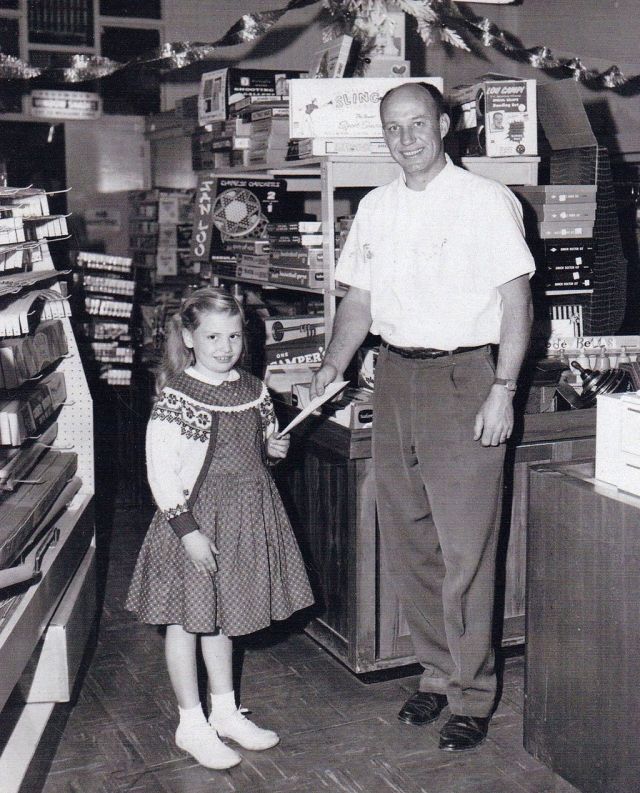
[(344, 108), (501, 116)]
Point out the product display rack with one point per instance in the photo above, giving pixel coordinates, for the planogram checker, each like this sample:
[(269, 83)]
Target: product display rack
[(48, 596)]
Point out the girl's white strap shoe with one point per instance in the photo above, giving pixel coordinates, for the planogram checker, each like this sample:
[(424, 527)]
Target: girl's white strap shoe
[(201, 742), (244, 732)]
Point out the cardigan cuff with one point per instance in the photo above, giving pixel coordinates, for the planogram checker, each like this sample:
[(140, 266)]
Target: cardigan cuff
[(183, 524)]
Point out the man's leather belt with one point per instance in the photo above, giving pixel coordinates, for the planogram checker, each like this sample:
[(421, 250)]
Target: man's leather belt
[(426, 353)]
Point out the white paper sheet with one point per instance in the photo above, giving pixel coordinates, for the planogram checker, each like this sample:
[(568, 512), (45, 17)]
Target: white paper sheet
[(330, 391)]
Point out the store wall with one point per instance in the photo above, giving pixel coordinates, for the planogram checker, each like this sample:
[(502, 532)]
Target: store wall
[(104, 159), (600, 32), (289, 44)]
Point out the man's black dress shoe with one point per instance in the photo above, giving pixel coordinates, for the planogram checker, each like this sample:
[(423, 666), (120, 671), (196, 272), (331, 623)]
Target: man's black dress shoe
[(422, 708), (463, 732)]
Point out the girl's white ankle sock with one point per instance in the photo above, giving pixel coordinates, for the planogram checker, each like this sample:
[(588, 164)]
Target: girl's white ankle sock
[(192, 717), (223, 705)]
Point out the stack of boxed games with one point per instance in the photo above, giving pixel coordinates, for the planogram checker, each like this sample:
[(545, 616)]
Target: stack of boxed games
[(294, 347), (228, 88), (296, 253), (559, 223)]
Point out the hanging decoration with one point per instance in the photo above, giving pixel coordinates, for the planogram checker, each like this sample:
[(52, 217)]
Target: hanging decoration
[(365, 20)]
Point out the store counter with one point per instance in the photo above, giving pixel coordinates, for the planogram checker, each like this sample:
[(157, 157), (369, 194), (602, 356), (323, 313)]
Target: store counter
[(327, 484), (582, 699)]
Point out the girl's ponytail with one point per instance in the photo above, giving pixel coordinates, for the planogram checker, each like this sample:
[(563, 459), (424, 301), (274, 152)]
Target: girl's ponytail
[(177, 356)]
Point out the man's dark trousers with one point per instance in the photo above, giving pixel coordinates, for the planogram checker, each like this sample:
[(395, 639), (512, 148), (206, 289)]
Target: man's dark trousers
[(438, 498)]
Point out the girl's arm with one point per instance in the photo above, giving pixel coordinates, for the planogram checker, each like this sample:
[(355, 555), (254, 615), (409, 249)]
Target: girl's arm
[(163, 443)]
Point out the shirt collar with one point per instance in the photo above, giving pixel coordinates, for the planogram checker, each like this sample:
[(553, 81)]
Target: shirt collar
[(211, 380), (447, 167)]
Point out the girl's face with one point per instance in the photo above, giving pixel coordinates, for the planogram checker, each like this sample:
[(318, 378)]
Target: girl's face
[(216, 342)]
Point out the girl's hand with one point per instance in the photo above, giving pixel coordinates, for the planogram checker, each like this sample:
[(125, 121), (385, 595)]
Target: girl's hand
[(201, 551), (278, 446)]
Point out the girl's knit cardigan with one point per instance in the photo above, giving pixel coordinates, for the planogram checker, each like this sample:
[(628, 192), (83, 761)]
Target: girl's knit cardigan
[(179, 431)]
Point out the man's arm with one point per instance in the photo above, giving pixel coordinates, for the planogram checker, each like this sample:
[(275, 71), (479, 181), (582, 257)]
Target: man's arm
[(352, 323), (494, 421)]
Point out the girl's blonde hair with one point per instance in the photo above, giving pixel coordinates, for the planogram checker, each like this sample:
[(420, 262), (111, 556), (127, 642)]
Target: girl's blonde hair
[(177, 356)]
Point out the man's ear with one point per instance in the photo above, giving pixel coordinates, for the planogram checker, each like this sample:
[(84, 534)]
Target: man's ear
[(445, 123)]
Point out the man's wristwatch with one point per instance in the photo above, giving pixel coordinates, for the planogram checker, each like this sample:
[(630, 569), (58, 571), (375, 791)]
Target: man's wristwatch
[(510, 385)]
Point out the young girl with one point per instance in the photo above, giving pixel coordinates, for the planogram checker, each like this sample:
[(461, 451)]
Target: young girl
[(219, 559)]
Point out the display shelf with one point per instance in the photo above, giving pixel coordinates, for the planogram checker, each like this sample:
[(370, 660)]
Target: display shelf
[(49, 560)]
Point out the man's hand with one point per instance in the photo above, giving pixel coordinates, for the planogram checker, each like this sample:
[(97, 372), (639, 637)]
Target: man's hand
[(201, 551), (321, 379), (494, 420)]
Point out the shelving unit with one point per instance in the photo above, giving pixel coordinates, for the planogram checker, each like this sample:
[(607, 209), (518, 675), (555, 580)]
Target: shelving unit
[(46, 616), (325, 176)]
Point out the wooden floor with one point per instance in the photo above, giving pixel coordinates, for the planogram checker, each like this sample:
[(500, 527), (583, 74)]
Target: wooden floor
[(338, 734)]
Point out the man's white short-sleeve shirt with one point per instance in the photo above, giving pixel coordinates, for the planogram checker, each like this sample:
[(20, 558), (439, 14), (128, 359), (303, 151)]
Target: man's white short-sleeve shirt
[(433, 259)]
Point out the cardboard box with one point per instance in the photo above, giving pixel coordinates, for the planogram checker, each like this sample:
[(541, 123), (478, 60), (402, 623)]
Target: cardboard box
[(365, 147), (352, 408), (551, 230), (557, 193), (292, 276), (218, 87), (508, 170), (66, 637), (503, 115), (557, 213), (288, 329), (297, 353), (346, 108)]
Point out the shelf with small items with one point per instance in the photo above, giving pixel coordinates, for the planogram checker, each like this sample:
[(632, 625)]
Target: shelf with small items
[(108, 289), (46, 458)]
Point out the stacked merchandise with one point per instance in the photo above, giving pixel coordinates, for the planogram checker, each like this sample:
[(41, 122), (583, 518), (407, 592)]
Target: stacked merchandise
[(269, 135), (495, 129), (559, 226), (227, 102), (296, 253), (233, 214), (160, 224), (294, 347), (34, 479), (175, 224), (220, 144), (109, 290), (236, 88)]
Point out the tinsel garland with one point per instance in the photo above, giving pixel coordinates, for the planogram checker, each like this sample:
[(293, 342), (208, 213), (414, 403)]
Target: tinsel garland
[(436, 20)]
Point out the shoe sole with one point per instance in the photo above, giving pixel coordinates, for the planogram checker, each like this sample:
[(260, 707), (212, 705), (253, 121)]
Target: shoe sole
[(250, 748), (463, 748), (206, 765), (413, 723)]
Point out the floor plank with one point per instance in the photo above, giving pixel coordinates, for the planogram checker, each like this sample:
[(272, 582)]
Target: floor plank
[(338, 735)]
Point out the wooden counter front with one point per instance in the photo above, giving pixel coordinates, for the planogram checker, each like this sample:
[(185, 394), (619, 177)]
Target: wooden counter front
[(327, 483), (582, 703)]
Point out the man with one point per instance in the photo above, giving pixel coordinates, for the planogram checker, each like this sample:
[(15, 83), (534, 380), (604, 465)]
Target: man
[(437, 265)]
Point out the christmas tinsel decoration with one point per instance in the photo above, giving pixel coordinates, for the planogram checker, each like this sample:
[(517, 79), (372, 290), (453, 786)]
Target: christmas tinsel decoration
[(436, 21)]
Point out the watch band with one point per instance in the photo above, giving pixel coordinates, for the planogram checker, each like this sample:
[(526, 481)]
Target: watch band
[(510, 385)]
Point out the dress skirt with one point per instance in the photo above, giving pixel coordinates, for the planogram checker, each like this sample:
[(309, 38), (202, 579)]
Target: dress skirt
[(261, 575)]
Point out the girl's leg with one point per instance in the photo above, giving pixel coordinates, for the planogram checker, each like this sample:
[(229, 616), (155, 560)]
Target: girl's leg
[(217, 651), (194, 734), (180, 652), (225, 717)]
